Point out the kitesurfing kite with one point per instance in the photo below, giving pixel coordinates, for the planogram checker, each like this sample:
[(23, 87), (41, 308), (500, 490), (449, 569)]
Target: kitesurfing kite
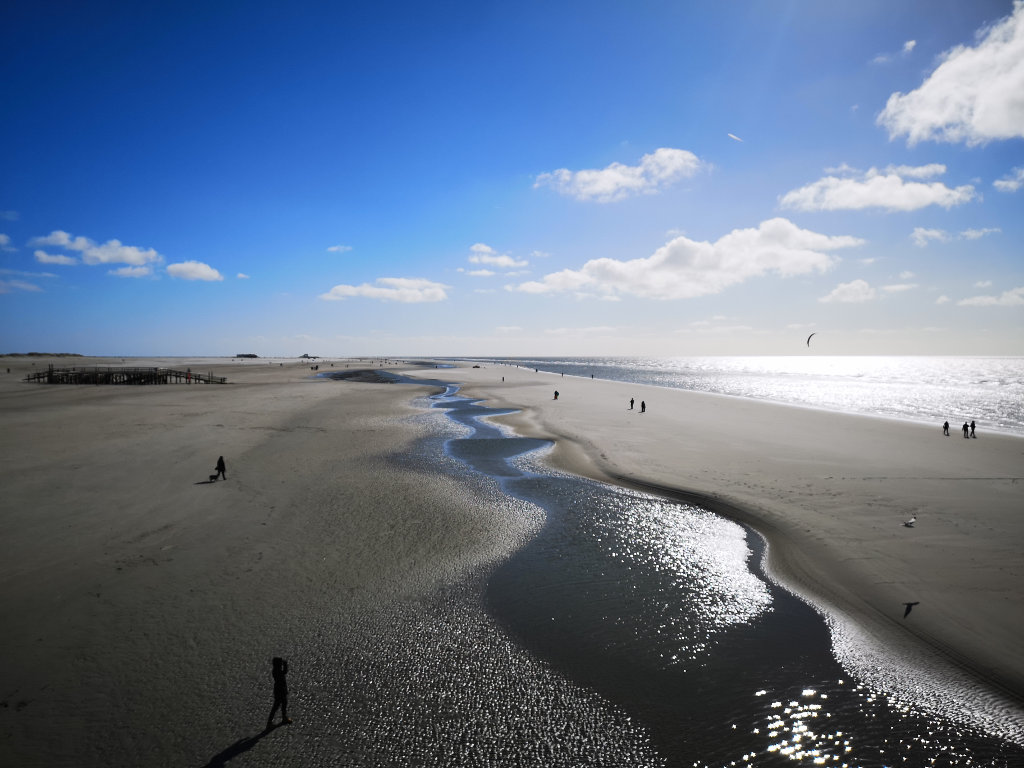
[(809, 339)]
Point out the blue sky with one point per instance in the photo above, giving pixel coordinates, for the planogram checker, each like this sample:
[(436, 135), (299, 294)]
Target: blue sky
[(652, 178)]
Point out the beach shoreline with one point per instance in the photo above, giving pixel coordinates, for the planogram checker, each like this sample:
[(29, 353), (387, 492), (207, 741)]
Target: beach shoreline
[(829, 492)]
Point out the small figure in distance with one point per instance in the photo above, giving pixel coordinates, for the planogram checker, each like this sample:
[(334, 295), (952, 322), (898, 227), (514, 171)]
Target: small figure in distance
[(221, 469), (945, 429), (556, 397), (643, 406), (631, 401), (280, 672), (972, 430), (965, 428)]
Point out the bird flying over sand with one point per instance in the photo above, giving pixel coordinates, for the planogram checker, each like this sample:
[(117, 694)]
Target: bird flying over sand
[(909, 607), (734, 137), (910, 523), (809, 338)]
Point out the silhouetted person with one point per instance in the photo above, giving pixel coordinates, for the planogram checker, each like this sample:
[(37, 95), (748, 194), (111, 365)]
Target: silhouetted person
[(556, 397), (945, 429), (631, 401), (280, 672), (643, 406), (972, 430), (966, 428), (221, 469)]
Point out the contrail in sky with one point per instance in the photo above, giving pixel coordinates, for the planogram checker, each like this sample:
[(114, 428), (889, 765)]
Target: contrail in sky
[(734, 137)]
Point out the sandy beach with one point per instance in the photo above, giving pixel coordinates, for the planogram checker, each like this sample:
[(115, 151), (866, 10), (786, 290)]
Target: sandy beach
[(829, 491), (142, 602)]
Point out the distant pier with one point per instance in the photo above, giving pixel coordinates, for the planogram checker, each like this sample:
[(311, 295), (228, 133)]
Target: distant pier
[(109, 375)]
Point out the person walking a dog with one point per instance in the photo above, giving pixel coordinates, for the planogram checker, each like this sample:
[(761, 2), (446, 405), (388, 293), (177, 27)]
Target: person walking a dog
[(221, 469)]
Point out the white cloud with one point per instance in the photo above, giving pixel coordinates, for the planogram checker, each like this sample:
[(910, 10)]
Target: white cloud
[(194, 270), (922, 236), (54, 258), (1011, 182), (854, 292), (9, 286), (110, 252), (5, 244), (408, 290), (132, 271), (539, 255), (478, 272), (977, 234), (484, 254), (242, 276), (616, 182), (899, 287), (876, 189), (1011, 298), (983, 284), (942, 300), (684, 268), (734, 137), (591, 331), (906, 275), (917, 171), (508, 329), (339, 248), (909, 46), (974, 94)]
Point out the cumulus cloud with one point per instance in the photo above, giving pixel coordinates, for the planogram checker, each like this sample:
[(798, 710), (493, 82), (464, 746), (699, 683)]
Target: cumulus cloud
[(899, 287), (1011, 182), (909, 46), (110, 252), (876, 189), (242, 276), (339, 248), (131, 271), (5, 243), (407, 290), (922, 236), (54, 258), (655, 171), (942, 299), (973, 95), (854, 292), (194, 270), (484, 254), (1011, 298), (685, 268), (917, 171), (977, 234)]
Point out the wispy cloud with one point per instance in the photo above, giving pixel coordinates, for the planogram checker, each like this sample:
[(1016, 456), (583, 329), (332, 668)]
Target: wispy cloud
[(484, 254), (5, 244), (899, 287), (194, 270), (922, 236), (972, 96), (406, 290), (1011, 182), (854, 292), (10, 286), (734, 137), (133, 272), (977, 234), (887, 190), (1011, 298), (885, 58), (242, 276), (684, 268), (54, 258), (655, 171), (339, 248)]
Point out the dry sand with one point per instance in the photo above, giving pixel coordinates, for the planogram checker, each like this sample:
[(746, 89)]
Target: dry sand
[(830, 493), (140, 603)]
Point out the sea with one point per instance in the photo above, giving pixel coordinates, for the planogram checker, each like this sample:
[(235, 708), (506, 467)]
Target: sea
[(986, 390)]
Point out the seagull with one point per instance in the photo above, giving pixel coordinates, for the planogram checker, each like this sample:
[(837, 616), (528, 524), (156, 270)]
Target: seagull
[(910, 523), (908, 609)]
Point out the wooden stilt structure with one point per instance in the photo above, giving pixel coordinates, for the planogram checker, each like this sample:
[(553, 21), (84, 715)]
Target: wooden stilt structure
[(108, 375)]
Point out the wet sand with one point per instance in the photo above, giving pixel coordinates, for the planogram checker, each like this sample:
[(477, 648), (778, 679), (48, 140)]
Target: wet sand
[(829, 491)]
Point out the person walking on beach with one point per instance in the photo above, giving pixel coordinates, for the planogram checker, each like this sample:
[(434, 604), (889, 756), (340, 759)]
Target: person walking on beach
[(631, 401), (556, 394), (221, 469), (945, 429), (279, 672), (966, 428), (643, 406), (972, 430)]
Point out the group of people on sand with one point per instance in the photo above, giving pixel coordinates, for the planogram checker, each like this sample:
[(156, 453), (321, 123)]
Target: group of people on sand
[(968, 429)]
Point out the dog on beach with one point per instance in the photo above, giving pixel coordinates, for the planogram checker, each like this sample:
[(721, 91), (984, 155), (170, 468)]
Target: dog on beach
[(213, 478)]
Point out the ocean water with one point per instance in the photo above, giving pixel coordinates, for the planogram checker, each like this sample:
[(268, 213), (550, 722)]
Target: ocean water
[(987, 390)]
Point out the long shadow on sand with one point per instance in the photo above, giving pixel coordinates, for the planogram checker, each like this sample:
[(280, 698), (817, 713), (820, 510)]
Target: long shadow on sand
[(242, 745)]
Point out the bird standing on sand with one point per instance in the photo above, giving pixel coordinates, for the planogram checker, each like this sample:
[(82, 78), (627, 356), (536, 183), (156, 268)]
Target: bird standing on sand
[(906, 612)]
